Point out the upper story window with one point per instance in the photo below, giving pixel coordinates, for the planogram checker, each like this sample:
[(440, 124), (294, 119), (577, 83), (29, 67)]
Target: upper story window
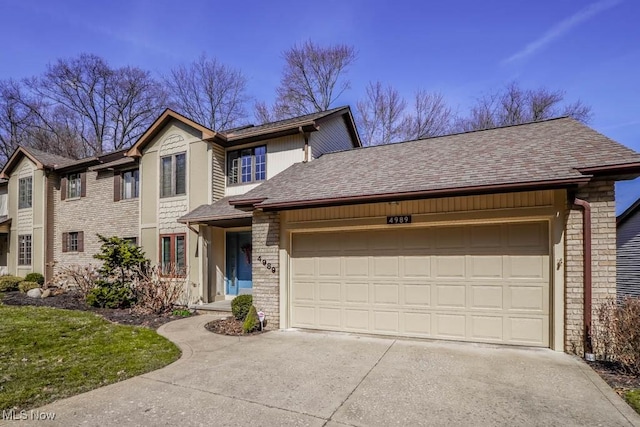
[(74, 185), (247, 165), (131, 184), (173, 173), (25, 192)]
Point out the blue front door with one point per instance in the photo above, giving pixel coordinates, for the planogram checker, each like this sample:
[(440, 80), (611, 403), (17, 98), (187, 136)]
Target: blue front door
[(238, 270)]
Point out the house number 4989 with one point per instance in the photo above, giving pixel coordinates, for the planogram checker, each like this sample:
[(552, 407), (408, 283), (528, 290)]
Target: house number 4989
[(266, 264)]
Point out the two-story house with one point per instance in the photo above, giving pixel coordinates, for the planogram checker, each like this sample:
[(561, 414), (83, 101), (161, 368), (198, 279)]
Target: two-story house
[(57, 206), (189, 172)]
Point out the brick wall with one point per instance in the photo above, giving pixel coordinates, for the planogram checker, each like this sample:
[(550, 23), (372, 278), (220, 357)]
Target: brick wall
[(266, 283), (600, 194), (93, 214)]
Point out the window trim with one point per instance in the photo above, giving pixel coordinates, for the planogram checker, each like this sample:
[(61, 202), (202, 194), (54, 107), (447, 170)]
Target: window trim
[(30, 193), (123, 183), (173, 192), (23, 255), (239, 166), (173, 238)]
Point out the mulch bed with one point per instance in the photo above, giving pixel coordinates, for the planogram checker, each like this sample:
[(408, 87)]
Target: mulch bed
[(228, 326), (74, 301), (615, 376)]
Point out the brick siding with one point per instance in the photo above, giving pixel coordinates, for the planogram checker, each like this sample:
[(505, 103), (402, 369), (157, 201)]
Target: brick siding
[(601, 195), (266, 283)]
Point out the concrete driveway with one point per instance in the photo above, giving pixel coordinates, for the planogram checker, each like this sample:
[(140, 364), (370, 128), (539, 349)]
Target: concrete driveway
[(316, 379)]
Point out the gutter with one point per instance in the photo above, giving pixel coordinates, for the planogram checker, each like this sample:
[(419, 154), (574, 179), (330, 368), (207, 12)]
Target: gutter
[(587, 275)]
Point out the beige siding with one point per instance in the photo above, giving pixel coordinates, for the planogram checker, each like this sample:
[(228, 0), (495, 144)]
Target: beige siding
[(442, 205), (281, 153), (218, 171), (628, 257), (332, 136), (120, 218), (4, 200)]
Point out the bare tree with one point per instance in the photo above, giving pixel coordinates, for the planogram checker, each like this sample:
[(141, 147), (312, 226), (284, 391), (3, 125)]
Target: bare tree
[(381, 115), (101, 107), (15, 118), (313, 78), (431, 116), (514, 105), (209, 92), (263, 113)]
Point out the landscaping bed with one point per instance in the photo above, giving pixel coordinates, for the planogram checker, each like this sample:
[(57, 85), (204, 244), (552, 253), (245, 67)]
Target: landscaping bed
[(623, 383), (48, 354), (74, 301), (229, 326)]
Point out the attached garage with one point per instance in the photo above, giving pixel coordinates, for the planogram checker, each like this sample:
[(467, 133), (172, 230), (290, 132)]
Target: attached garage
[(482, 283)]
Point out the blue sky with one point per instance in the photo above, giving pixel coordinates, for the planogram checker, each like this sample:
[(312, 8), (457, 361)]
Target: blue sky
[(590, 49)]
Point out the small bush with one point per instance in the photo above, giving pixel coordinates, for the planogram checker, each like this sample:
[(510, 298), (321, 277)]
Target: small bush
[(240, 306), (35, 277), (9, 283), (616, 335), (76, 277), (182, 312), (26, 285), (251, 322), (158, 293), (110, 297)]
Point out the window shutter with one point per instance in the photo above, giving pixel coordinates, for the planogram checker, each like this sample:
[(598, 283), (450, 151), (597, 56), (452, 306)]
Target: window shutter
[(116, 187), (63, 188), (83, 184), (65, 241), (80, 241)]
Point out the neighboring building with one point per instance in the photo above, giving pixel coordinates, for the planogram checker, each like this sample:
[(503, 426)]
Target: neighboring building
[(474, 237), (628, 252)]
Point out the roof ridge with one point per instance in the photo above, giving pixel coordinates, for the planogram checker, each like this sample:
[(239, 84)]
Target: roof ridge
[(300, 117)]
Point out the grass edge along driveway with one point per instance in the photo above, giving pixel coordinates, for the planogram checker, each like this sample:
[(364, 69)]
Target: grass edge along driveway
[(48, 354)]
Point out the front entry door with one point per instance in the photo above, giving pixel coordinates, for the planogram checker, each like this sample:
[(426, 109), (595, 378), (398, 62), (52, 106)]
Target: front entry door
[(238, 269)]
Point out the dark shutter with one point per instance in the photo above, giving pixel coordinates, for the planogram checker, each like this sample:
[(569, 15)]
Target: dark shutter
[(65, 242), (116, 187), (63, 188), (83, 184), (80, 241)]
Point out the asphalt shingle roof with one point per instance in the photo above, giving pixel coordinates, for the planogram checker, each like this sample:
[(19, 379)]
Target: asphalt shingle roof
[(220, 210), (550, 150), (48, 159)]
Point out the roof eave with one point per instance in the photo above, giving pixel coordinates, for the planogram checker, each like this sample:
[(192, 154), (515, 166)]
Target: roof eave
[(13, 160), (445, 192), (620, 168), (309, 126)]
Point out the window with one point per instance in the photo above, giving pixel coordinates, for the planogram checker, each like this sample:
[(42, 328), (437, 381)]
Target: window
[(131, 240), (74, 185), (24, 192), (73, 241), (173, 175), (24, 249), (248, 165), (130, 184), (173, 254)]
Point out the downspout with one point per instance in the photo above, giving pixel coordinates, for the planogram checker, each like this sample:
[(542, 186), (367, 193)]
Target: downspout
[(306, 144), (586, 265)]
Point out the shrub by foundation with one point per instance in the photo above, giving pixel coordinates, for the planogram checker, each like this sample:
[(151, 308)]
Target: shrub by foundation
[(240, 306)]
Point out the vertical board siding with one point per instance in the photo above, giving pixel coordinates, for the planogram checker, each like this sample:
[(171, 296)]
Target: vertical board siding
[(333, 136), (442, 205), (628, 257)]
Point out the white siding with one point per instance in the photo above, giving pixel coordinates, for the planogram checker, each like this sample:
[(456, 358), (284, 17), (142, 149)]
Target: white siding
[(628, 257), (332, 136), (4, 199)]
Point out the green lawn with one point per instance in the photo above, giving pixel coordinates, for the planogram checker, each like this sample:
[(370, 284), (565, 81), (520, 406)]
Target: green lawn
[(47, 354), (633, 398)]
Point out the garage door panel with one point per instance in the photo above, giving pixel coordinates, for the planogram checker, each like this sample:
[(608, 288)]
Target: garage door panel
[(449, 266), (487, 297), (486, 266), (418, 324), (329, 292), (356, 293), (356, 320), (417, 294), (451, 296), (486, 283), (386, 321), (388, 293)]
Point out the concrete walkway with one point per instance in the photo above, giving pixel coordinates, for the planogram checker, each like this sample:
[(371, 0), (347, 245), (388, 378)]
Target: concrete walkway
[(321, 379)]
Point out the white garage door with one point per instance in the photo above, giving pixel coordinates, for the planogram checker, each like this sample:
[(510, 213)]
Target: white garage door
[(486, 283)]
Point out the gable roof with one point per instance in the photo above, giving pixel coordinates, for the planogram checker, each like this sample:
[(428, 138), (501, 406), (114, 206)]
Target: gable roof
[(220, 210), (546, 154), (628, 213), (41, 159), (249, 133)]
